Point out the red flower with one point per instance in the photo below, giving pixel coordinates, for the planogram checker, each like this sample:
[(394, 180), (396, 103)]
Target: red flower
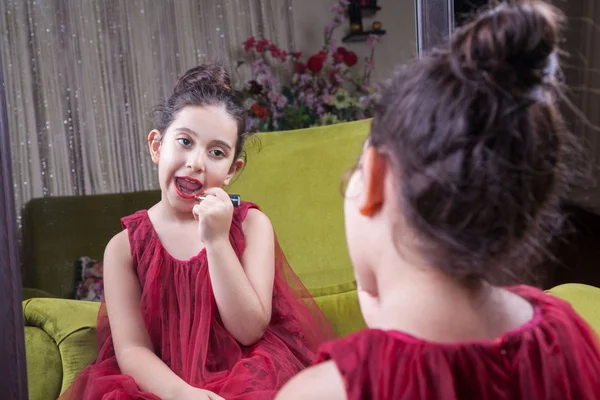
[(350, 58), (275, 52), (262, 45), (283, 55), (260, 112), (296, 54), (338, 57), (315, 62), (299, 67), (248, 44), (342, 50)]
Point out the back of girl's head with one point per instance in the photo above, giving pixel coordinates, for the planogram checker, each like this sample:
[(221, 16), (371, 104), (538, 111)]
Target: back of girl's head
[(204, 85), (478, 145)]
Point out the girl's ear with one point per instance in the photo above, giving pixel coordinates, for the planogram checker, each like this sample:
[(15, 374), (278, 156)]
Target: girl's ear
[(374, 172), (235, 167), (154, 141)]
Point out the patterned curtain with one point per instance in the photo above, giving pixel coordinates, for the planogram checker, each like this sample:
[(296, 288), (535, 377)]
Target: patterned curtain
[(82, 75)]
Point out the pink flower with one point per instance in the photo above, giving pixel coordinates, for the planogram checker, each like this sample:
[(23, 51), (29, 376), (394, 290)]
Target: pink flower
[(370, 65), (337, 8), (309, 98), (248, 44), (320, 110), (331, 47), (327, 98), (305, 79), (335, 77), (328, 29), (273, 96), (372, 40), (339, 19), (281, 102)]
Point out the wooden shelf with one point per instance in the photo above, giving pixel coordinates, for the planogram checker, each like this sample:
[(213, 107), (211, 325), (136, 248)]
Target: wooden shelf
[(356, 37)]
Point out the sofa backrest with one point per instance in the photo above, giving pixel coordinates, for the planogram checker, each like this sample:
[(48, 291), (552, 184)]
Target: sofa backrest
[(294, 176)]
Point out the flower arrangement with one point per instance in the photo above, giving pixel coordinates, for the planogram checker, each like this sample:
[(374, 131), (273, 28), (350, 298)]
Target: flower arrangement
[(324, 89)]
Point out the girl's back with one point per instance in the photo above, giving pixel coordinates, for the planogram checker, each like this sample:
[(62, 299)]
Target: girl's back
[(553, 356)]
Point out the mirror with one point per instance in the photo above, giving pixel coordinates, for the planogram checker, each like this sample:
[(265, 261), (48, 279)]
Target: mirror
[(79, 81)]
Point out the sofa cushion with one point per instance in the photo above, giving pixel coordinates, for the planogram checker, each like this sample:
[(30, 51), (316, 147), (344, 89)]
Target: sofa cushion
[(584, 299), (295, 177), (66, 327), (44, 365)]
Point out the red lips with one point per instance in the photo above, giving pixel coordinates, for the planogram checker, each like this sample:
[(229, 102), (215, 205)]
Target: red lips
[(188, 187)]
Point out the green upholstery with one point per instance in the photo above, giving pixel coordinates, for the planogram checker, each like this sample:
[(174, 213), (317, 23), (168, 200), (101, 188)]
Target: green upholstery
[(584, 299), (60, 340), (59, 230)]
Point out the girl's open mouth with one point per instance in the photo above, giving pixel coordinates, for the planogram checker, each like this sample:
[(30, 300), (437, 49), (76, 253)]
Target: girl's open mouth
[(188, 188)]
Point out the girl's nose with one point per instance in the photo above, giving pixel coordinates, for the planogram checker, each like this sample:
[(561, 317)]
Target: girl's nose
[(195, 162)]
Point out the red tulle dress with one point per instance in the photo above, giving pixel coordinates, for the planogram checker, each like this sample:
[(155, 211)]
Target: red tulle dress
[(181, 316), (553, 357)]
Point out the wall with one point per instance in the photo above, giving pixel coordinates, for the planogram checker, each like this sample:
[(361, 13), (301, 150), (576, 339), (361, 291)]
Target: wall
[(397, 46)]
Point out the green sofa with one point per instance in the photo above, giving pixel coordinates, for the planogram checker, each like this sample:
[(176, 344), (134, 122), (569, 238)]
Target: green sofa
[(294, 176)]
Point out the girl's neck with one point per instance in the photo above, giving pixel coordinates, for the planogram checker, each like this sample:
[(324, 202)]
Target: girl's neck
[(430, 305), (173, 214)]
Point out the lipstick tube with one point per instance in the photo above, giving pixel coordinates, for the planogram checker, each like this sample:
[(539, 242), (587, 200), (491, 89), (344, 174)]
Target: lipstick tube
[(235, 199)]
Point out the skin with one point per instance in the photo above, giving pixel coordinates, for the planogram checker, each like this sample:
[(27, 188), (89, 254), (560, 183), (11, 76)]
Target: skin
[(199, 144), (398, 290)]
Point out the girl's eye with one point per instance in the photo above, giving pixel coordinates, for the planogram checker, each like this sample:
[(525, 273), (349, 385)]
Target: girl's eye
[(185, 142), (217, 153)]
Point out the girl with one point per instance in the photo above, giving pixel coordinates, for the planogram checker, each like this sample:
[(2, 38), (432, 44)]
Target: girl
[(461, 178), (195, 292)]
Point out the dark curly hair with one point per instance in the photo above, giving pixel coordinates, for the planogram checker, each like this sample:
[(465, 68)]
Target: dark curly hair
[(481, 152), (204, 85)]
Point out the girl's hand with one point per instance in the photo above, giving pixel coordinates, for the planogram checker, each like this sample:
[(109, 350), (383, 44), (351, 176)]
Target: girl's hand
[(214, 215)]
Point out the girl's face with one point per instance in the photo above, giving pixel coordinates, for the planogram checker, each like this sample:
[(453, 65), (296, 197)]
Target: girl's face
[(196, 152)]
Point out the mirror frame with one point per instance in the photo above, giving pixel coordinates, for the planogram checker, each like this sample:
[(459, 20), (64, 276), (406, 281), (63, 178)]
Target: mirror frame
[(13, 370), (434, 22)]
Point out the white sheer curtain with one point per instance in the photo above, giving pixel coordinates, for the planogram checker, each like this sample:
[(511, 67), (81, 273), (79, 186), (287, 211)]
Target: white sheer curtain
[(82, 75)]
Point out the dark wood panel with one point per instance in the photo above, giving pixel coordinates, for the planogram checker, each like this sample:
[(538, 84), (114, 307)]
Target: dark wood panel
[(13, 373)]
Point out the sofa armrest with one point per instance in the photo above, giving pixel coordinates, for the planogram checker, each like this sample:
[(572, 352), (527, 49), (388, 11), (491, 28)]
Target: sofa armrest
[(584, 299), (60, 340)]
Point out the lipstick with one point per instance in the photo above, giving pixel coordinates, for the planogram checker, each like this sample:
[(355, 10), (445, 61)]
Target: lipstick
[(235, 199)]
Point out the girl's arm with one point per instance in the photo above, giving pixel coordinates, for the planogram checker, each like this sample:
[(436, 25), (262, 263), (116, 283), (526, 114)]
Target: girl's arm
[(243, 291), (133, 348), (321, 382)]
